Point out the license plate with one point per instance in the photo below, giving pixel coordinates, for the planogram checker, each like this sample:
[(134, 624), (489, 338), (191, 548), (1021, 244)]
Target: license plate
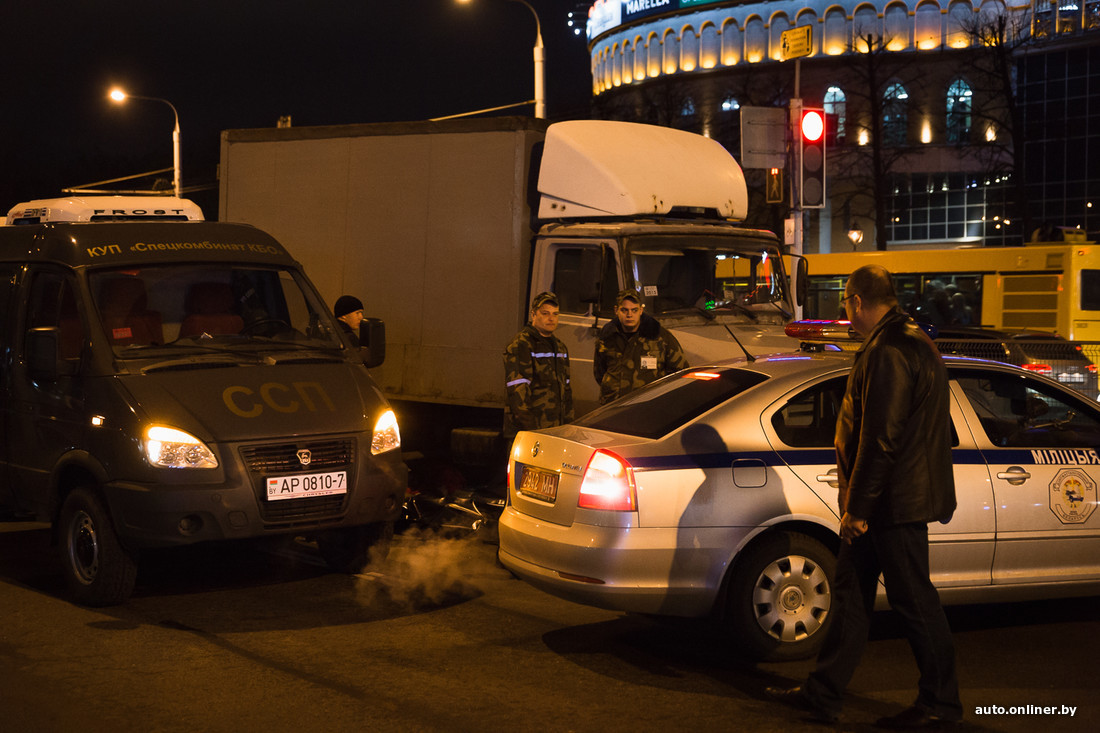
[(539, 484), (305, 485)]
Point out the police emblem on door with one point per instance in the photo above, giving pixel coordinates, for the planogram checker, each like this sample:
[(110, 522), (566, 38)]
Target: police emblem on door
[(1072, 496)]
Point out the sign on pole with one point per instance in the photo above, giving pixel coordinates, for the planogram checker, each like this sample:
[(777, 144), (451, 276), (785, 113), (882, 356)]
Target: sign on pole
[(796, 42), (763, 137)]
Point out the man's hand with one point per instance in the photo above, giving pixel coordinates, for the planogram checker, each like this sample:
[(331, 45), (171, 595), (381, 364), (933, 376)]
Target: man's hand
[(851, 527)]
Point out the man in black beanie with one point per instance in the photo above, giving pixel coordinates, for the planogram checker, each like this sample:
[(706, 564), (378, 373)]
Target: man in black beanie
[(349, 312)]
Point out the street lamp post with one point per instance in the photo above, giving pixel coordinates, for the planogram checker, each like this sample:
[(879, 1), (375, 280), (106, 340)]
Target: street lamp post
[(117, 95), (540, 61)]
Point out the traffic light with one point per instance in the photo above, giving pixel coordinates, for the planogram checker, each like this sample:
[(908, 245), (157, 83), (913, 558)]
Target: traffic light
[(811, 181)]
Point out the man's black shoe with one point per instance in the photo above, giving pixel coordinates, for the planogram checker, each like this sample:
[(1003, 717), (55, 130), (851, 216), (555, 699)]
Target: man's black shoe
[(796, 698), (915, 718)]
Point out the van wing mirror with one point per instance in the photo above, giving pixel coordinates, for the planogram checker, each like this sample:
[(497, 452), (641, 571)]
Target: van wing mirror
[(372, 341), (43, 355), (801, 280)]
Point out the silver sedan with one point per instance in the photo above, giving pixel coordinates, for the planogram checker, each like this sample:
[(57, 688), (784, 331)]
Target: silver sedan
[(712, 494)]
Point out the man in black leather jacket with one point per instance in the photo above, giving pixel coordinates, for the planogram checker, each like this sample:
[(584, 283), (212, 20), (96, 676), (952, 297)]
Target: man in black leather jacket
[(893, 445)]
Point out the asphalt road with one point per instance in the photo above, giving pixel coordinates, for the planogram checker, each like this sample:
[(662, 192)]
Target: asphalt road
[(440, 638)]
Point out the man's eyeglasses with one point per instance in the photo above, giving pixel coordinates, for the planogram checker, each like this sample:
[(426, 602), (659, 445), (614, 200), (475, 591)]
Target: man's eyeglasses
[(847, 298)]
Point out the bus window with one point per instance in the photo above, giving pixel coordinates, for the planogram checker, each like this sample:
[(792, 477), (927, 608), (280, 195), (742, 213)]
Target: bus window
[(1090, 290)]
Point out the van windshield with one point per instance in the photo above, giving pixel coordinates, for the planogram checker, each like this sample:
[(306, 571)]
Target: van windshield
[(208, 306), (702, 275)]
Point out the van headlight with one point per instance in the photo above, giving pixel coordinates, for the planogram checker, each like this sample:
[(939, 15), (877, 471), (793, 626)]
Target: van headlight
[(170, 448), (386, 435)]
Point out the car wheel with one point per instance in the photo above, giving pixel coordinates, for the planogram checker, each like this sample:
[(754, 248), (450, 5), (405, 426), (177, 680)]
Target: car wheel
[(779, 598), (352, 549), (98, 570)]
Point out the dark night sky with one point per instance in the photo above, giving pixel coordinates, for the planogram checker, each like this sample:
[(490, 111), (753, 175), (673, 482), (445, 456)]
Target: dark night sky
[(244, 63)]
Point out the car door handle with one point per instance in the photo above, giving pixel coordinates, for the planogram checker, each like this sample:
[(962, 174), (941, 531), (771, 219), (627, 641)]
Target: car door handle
[(1014, 475), (829, 478)]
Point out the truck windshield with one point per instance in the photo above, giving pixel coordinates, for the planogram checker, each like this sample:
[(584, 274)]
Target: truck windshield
[(711, 278), (207, 305)]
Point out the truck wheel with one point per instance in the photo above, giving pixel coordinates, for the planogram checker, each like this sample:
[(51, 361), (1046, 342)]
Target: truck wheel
[(778, 600), (98, 570), (352, 549)]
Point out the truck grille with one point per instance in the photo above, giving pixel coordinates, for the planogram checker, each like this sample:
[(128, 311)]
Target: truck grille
[(264, 461)]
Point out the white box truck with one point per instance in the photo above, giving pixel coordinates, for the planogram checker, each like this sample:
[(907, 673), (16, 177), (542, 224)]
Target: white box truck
[(446, 230)]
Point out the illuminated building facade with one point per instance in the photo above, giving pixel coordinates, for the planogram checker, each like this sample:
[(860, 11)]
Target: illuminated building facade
[(919, 74)]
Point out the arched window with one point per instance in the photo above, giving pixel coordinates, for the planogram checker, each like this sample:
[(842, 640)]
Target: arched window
[(866, 27), (928, 26), (779, 23), (835, 113), (756, 39), (689, 49), (895, 115), (960, 16), (731, 43), (710, 47), (896, 25), (959, 107)]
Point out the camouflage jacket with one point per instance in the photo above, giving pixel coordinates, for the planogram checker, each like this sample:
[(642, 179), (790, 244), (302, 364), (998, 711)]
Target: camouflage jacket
[(536, 377), (623, 362)]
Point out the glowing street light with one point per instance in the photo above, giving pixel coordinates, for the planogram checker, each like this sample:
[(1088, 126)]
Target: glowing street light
[(540, 60), (119, 96)]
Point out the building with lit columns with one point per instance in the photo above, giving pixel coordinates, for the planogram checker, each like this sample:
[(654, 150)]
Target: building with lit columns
[(955, 151)]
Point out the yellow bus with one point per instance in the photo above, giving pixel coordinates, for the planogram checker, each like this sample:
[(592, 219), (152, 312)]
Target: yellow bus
[(1054, 288)]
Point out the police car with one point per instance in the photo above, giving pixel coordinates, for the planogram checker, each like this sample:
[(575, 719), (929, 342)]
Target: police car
[(712, 493)]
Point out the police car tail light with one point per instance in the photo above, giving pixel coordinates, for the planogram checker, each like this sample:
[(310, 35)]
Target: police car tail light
[(386, 435), (608, 484), (171, 448), (1044, 369)]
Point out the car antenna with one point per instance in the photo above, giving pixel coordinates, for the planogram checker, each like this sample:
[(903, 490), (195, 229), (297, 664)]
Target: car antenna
[(737, 341)]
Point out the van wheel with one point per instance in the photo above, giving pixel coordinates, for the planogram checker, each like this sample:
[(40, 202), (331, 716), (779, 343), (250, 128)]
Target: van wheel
[(779, 598), (350, 550), (98, 570)]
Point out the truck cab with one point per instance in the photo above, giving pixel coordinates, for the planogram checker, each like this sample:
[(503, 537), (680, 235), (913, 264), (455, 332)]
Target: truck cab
[(172, 383), (665, 225)]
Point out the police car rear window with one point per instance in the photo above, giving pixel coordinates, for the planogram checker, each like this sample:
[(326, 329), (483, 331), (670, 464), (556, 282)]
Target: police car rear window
[(665, 405)]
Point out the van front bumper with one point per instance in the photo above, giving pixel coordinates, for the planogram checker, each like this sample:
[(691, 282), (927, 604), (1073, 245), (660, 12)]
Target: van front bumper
[(148, 515)]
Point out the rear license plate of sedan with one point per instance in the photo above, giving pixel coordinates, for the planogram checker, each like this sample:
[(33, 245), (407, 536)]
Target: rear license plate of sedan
[(305, 485), (539, 484)]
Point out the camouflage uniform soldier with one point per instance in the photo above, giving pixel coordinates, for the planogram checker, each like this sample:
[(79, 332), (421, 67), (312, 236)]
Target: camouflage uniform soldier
[(633, 350), (536, 373)]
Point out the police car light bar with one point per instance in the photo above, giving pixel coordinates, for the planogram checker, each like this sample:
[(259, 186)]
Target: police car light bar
[(821, 331)]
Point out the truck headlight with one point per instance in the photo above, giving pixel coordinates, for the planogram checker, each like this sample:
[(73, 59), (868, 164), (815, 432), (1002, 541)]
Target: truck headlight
[(386, 434), (170, 448)]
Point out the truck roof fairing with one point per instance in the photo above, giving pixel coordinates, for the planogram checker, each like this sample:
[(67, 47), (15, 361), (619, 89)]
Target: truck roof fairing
[(105, 208), (600, 168)]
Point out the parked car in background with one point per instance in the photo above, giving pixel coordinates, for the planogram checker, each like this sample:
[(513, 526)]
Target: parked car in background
[(1043, 353)]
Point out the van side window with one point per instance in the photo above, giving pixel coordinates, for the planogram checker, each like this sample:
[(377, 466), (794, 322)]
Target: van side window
[(53, 305), (578, 279)]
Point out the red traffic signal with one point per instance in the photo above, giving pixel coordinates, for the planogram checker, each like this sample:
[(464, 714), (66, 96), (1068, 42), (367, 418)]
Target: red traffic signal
[(811, 187), (813, 125)]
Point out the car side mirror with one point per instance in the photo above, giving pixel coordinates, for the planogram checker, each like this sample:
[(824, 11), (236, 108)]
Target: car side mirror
[(372, 341)]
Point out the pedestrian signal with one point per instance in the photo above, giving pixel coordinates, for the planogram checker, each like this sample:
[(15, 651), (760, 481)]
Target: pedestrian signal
[(811, 187), (773, 190)]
